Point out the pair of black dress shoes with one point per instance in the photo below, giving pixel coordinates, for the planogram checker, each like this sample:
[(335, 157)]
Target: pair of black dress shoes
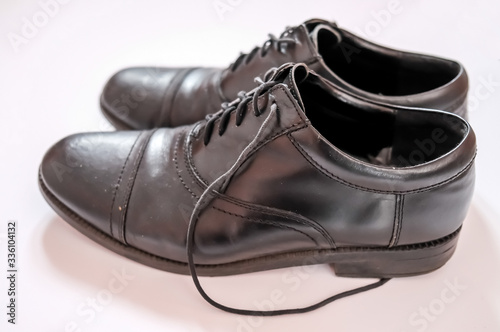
[(327, 149)]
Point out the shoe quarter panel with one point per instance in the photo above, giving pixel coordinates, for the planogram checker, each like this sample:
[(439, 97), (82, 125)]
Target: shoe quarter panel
[(279, 176)]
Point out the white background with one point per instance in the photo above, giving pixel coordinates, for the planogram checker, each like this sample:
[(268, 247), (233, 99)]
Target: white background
[(49, 88)]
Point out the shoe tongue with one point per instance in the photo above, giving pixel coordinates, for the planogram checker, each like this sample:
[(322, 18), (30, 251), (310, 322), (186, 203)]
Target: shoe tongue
[(324, 34)]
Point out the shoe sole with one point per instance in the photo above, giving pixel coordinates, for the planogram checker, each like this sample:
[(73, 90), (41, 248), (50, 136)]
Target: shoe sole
[(356, 262), (116, 122)]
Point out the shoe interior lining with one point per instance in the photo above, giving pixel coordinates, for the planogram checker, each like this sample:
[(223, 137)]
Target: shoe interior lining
[(380, 137), (383, 73)]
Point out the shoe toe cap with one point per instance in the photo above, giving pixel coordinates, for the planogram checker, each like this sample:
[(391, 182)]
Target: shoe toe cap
[(81, 173), (133, 97)]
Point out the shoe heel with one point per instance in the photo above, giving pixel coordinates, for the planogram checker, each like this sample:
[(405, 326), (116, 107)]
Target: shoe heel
[(400, 261)]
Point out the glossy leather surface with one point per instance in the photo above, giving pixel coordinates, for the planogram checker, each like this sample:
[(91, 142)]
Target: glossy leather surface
[(295, 191), (148, 97)]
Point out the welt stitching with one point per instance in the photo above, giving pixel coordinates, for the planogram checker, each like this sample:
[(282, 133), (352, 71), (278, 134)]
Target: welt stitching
[(318, 228), (176, 163), (413, 191), (115, 190), (131, 181), (272, 223)]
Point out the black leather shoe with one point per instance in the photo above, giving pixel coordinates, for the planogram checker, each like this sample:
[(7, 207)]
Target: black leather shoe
[(144, 98), (295, 172)]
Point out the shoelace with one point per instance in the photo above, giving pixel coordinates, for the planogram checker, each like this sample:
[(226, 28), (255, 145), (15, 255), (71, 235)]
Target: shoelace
[(239, 106), (268, 44), (210, 193)]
